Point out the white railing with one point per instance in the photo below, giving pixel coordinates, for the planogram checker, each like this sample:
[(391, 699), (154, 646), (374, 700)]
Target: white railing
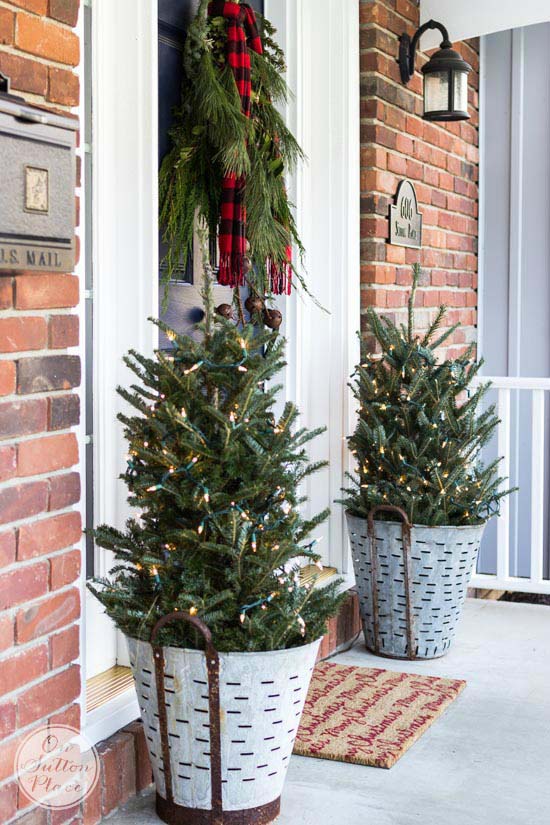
[(539, 388)]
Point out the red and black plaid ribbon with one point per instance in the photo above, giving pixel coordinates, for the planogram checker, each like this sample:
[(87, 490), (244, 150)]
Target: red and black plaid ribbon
[(242, 35)]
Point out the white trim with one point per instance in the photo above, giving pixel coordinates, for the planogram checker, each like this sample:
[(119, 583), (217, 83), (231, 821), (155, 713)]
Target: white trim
[(81, 351), (323, 71), (481, 198), (111, 717), (125, 252), (486, 581), (512, 382), (516, 202), (472, 18), (517, 150)]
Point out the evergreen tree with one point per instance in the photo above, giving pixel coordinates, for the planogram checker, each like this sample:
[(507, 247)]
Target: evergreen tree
[(419, 434), (212, 138), (215, 478)]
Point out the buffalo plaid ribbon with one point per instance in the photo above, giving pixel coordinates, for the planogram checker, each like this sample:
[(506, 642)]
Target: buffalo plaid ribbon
[(242, 35)]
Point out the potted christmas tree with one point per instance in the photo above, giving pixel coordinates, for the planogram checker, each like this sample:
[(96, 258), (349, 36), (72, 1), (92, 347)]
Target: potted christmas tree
[(222, 635), (421, 498)]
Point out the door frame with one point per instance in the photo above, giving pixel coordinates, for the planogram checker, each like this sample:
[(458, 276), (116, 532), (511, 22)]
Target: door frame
[(125, 259), (323, 348)]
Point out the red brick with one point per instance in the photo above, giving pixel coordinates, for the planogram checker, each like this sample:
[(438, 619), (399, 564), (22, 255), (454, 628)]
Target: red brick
[(63, 88), (23, 500), (404, 143), (38, 816), (144, 774), (7, 26), (66, 11), (36, 6), (45, 39), (439, 199), (65, 569), (51, 614), (23, 417), (8, 800), (63, 331), (6, 632), (69, 716), (64, 491), (20, 334), (69, 816), (122, 745), (50, 694), (111, 791), (8, 719), (64, 412), (7, 755), (7, 548), (23, 584), (46, 291), (407, 9), (64, 647), (43, 374), (8, 463), (25, 75), (19, 670), (6, 282), (397, 164), (49, 535), (45, 455), (8, 377), (91, 808)]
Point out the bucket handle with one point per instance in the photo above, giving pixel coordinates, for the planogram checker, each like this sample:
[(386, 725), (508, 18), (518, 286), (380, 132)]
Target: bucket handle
[(213, 669), (406, 536)]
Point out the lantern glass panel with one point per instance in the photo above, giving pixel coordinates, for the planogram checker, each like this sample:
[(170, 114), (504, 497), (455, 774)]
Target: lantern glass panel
[(460, 87), (436, 92)]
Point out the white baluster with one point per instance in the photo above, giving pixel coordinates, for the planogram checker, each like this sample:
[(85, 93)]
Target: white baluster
[(537, 486), (503, 526)]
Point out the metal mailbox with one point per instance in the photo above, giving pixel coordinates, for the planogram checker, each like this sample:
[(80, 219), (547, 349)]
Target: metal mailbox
[(37, 186)]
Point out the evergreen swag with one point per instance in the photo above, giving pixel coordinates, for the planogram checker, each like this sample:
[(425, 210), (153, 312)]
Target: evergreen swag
[(213, 138), (215, 477), (419, 435)]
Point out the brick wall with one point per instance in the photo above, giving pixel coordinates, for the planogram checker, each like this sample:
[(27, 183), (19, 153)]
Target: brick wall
[(39, 487), (441, 160)]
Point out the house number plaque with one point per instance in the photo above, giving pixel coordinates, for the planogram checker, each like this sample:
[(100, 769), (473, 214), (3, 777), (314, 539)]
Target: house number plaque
[(405, 219)]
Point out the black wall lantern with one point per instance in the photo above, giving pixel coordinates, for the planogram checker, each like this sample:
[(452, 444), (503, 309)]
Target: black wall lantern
[(445, 76)]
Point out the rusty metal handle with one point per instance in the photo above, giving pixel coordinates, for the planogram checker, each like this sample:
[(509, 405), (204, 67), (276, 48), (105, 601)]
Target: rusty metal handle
[(182, 617), (406, 536), (388, 508), (213, 669)]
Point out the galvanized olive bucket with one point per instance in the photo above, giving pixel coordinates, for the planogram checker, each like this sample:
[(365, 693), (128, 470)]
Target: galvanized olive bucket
[(412, 581), (221, 739)]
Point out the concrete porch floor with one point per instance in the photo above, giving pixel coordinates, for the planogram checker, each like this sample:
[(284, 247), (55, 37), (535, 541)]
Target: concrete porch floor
[(486, 761)]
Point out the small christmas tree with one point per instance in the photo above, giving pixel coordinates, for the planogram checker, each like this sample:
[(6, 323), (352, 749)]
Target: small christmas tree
[(419, 434), (215, 477)]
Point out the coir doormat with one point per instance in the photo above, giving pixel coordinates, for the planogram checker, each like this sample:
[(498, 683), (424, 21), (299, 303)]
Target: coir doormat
[(369, 716)]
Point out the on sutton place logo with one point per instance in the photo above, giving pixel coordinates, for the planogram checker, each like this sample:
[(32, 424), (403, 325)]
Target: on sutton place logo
[(56, 767)]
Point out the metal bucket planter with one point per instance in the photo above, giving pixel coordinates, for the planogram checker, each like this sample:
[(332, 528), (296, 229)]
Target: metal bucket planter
[(220, 742), (412, 582)]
